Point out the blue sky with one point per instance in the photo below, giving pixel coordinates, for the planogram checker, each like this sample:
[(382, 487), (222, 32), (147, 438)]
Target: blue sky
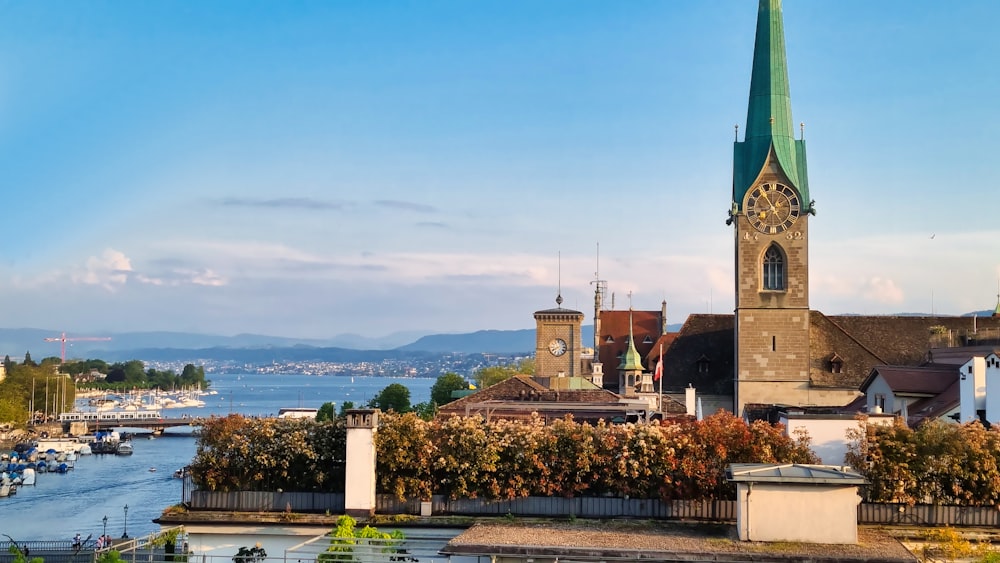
[(308, 169)]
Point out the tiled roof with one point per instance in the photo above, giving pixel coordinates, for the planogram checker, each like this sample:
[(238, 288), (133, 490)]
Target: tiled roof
[(934, 407), (646, 328), (905, 340), (827, 340), (701, 355), (914, 380), (524, 390)]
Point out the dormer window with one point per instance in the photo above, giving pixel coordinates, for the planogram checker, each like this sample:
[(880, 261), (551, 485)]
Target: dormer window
[(702, 364), (836, 364), (647, 340), (609, 340)]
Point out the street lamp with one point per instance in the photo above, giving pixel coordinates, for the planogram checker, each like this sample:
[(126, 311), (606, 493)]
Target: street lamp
[(125, 533), (105, 520)]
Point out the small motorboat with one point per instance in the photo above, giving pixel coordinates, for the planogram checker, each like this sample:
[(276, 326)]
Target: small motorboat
[(125, 448), (152, 470)]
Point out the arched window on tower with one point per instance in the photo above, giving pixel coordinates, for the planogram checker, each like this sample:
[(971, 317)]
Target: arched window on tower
[(774, 269)]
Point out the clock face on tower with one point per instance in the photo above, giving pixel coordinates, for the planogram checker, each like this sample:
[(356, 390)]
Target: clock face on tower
[(771, 208), (557, 346)]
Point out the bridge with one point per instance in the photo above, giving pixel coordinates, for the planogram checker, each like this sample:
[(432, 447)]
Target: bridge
[(156, 426)]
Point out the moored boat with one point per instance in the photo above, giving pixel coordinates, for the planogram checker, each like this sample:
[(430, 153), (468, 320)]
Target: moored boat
[(124, 448)]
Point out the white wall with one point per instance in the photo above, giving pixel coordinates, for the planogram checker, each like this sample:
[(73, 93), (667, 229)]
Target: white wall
[(828, 436), (880, 387), (992, 388), (972, 389), (803, 513)]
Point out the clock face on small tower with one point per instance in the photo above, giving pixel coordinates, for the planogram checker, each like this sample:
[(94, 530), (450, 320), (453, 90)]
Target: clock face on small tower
[(557, 346), (772, 208)]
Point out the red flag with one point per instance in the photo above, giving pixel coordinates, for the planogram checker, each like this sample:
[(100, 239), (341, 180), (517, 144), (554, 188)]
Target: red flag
[(659, 369)]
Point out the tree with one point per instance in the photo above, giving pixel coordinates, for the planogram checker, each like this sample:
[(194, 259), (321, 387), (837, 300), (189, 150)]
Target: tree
[(394, 397), (441, 391), (488, 376), (327, 411), (346, 406), (27, 360)]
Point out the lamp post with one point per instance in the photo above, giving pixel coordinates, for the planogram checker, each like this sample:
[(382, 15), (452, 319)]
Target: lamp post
[(105, 533), (125, 533)]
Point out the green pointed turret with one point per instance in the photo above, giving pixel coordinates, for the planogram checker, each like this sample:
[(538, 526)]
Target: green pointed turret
[(631, 361), (769, 113)]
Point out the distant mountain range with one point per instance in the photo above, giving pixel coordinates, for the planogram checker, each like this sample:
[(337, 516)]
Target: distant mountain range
[(257, 348)]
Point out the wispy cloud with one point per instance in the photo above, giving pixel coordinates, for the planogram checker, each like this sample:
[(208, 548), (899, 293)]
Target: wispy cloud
[(406, 206), (433, 225), (284, 203)]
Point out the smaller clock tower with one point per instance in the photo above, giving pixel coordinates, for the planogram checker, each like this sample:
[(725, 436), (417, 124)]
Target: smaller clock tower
[(557, 342)]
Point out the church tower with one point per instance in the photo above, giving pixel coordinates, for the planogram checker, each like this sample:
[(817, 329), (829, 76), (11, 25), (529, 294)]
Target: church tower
[(770, 212)]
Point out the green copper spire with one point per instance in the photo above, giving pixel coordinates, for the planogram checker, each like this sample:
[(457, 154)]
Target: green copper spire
[(769, 113), (630, 360)]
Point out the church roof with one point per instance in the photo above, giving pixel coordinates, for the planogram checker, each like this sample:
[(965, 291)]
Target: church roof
[(769, 113), (701, 355), (702, 351)]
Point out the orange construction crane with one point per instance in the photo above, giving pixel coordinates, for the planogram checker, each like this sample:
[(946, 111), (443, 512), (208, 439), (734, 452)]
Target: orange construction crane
[(63, 339)]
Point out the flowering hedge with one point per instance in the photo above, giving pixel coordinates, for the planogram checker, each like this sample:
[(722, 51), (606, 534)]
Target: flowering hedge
[(938, 463), (471, 458)]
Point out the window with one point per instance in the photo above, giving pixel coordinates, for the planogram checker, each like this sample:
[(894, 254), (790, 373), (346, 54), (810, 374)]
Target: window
[(836, 364), (880, 401), (702, 364), (647, 340), (609, 340), (774, 269)]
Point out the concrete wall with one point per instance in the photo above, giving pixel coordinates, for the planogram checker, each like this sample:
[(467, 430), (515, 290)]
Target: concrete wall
[(803, 513), (972, 389), (828, 437)]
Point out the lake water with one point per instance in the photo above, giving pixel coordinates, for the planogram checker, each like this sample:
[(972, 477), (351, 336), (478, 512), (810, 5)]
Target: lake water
[(61, 505)]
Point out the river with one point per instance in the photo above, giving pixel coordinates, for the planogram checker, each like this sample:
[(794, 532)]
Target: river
[(61, 505)]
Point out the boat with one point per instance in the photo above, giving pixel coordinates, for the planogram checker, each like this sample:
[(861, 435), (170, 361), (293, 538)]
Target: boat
[(181, 473), (28, 476), (152, 470), (124, 448)]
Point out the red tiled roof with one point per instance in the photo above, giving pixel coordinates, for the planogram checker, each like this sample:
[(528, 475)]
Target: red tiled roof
[(615, 324)]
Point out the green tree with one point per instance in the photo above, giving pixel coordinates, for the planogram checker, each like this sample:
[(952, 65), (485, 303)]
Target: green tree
[(327, 411), (27, 360), (346, 406), (489, 376), (445, 384), (395, 397)]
